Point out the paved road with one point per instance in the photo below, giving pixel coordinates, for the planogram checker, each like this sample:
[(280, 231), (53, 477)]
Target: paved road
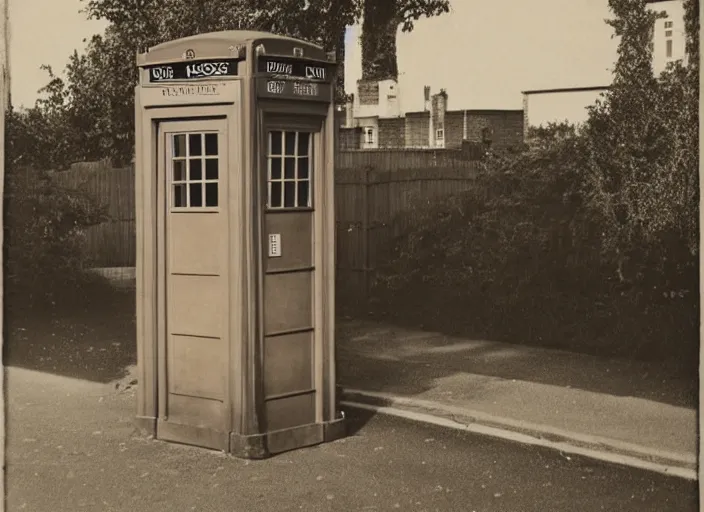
[(71, 448)]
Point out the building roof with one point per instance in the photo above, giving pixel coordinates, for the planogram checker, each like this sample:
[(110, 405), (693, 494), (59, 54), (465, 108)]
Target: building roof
[(568, 89), (470, 111)]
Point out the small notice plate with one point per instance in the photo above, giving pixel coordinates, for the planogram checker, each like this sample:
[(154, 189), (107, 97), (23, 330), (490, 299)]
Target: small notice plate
[(275, 246)]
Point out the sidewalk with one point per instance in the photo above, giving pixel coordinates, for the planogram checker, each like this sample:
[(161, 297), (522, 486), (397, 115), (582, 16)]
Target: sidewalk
[(72, 446), (639, 414)]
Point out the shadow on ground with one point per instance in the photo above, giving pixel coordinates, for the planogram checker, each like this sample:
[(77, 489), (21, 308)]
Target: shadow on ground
[(96, 342), (391, 359), (92, 341)]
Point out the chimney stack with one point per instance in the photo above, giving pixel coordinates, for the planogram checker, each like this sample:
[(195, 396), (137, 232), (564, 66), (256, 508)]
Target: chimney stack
[(426, 98), (438, 108), (349, 112)]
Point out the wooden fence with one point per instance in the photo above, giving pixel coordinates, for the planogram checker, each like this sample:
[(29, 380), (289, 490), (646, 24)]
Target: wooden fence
[(368, 204), (112, 243), (402, 159), (372, 188)]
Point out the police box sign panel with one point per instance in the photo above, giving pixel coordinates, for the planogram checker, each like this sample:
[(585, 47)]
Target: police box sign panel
[(272, 87), (193, 70), (293, 68), (295, 88)]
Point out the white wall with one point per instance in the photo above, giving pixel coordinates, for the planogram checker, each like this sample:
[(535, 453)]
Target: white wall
[(388, 105), (675, 13), (543, 108)]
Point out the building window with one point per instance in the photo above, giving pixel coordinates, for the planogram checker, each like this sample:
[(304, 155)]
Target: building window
[(194, 170), (289, 169), (440, 134), (668, 39), (369, 135)]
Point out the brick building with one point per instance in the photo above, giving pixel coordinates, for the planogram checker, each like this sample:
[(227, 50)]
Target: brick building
[(373, 120)]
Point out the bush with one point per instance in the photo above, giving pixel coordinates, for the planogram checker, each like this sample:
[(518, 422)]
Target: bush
[(522, 216), (45, 227), (519, 257)]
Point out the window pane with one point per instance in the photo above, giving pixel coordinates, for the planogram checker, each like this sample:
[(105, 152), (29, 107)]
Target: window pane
[(195, 144), (303, 167), (303, 138), (196, 194), (289, 194), (275, 143), (179, 145), (275, 199), (289, 168), (276, 168), (290, 143), (195, 169), (211, 143), (179, 196), (303, 193), (179, 170), (211, 169), (211, 194)]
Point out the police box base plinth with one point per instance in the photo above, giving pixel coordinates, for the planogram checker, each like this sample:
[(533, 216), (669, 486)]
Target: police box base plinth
[(203, 437), (262, 446), (145, 425)]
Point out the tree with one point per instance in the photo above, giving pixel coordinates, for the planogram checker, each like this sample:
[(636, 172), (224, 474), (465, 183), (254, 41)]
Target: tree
[(380, 25), (641, 144), (149, 22), (88, 114)]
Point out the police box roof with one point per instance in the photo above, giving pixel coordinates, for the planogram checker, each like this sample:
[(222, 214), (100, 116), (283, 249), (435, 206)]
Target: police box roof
[(231, 44)]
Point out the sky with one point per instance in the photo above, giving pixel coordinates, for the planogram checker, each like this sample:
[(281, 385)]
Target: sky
[(484, 53), (44, 32)]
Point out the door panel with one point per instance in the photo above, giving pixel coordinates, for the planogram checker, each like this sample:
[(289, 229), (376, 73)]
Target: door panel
[(289, 275), (194, 269), (299, 240), (189, 353), (289, 369)]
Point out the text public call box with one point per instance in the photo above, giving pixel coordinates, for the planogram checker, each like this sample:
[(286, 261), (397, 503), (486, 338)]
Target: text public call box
[(235, 243)]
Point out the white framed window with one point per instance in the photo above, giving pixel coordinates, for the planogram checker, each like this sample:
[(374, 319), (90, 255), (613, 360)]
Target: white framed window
[(369, 135), (289, 169), (440, 134), (668, 39), (194, 170)]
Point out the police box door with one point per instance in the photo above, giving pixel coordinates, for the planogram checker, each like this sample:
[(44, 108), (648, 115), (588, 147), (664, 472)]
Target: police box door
[(290, 163), (193, 273)]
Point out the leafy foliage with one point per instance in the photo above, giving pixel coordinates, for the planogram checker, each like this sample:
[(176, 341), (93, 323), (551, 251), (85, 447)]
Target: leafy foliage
[(44, 236), (380, 25), (642, 150), (88, 113), (523, 210)]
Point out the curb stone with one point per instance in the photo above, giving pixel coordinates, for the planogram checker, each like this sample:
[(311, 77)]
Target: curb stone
[(599, 447)]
